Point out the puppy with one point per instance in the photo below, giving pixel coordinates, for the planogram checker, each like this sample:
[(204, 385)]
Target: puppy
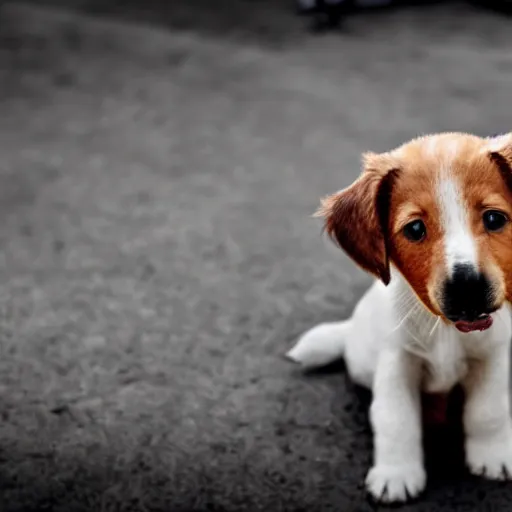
[(431, 220)]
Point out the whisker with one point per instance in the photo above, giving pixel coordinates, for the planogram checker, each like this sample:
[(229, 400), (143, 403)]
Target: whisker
[(428, 324), (402, 320), (415, 338), (412, 308), (403, 294), (405, 304), (420, 324), (435, 326), (406, 316)]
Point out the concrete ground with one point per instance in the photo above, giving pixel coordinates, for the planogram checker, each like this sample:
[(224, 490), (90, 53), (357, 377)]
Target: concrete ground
[(158, 255)]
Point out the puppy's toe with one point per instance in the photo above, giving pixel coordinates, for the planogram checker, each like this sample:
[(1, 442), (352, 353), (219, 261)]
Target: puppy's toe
[(396, 484), (490, 458)]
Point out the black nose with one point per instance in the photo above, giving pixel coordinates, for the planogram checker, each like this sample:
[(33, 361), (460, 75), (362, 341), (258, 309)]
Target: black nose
[(467, 294)]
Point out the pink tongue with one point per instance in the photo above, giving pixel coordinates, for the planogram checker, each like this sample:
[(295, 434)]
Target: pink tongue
[(478, 325)]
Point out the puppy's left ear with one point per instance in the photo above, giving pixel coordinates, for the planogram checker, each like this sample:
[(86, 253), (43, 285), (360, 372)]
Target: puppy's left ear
[(357, 217), (499, 150)]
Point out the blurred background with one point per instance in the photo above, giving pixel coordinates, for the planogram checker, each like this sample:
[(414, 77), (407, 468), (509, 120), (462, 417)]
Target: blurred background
[(159, 165)]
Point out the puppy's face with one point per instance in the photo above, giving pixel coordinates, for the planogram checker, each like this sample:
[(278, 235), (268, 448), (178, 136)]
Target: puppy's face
[(439, 209)]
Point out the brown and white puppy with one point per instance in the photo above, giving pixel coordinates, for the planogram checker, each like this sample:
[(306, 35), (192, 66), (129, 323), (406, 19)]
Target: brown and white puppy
[(432, 221)]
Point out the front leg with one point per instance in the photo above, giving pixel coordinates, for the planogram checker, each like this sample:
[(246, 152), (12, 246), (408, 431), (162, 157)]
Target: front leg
[(398, 472), (487, 422)]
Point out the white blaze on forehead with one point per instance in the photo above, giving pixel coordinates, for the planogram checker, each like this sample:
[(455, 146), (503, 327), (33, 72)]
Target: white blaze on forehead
[(444, 149), (459, 242), (431, 147)]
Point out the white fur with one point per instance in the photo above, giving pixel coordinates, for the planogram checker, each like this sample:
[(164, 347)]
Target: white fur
[(460, 245), (497, 143), (393, 345)]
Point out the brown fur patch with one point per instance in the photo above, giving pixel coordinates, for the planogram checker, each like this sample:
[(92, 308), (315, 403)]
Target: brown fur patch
[(357, 219)]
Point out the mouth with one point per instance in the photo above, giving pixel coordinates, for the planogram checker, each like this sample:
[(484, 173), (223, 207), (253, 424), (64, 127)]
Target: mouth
[(482, 323)]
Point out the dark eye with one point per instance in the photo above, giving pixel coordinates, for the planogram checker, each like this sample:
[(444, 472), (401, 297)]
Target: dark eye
[(415, 231), (494, 220)]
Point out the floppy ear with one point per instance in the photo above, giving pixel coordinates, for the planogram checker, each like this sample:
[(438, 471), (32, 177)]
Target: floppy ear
[(357, 217), (499, 150)]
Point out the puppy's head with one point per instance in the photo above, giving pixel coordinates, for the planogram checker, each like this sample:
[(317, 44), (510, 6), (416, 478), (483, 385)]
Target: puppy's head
[(439, 209)]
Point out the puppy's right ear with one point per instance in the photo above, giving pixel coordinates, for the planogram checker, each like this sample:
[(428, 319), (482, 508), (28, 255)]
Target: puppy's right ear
[(357, 217), (499, 150)]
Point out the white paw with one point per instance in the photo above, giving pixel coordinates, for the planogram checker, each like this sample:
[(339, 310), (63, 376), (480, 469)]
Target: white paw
[(393, 484), (490, 457), (320, 345)]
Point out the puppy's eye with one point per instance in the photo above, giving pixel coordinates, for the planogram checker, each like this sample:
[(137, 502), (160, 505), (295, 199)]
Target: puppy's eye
[(494, 220), (415, 231)]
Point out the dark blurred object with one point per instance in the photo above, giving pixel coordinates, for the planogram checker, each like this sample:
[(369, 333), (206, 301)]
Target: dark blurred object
[(504, 6), (327, 14)]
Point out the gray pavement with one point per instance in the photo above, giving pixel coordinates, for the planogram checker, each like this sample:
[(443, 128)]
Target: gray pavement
[(158, 254)]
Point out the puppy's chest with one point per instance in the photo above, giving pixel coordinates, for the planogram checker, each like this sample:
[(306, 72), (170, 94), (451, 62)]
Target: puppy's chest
[(444, 365)]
